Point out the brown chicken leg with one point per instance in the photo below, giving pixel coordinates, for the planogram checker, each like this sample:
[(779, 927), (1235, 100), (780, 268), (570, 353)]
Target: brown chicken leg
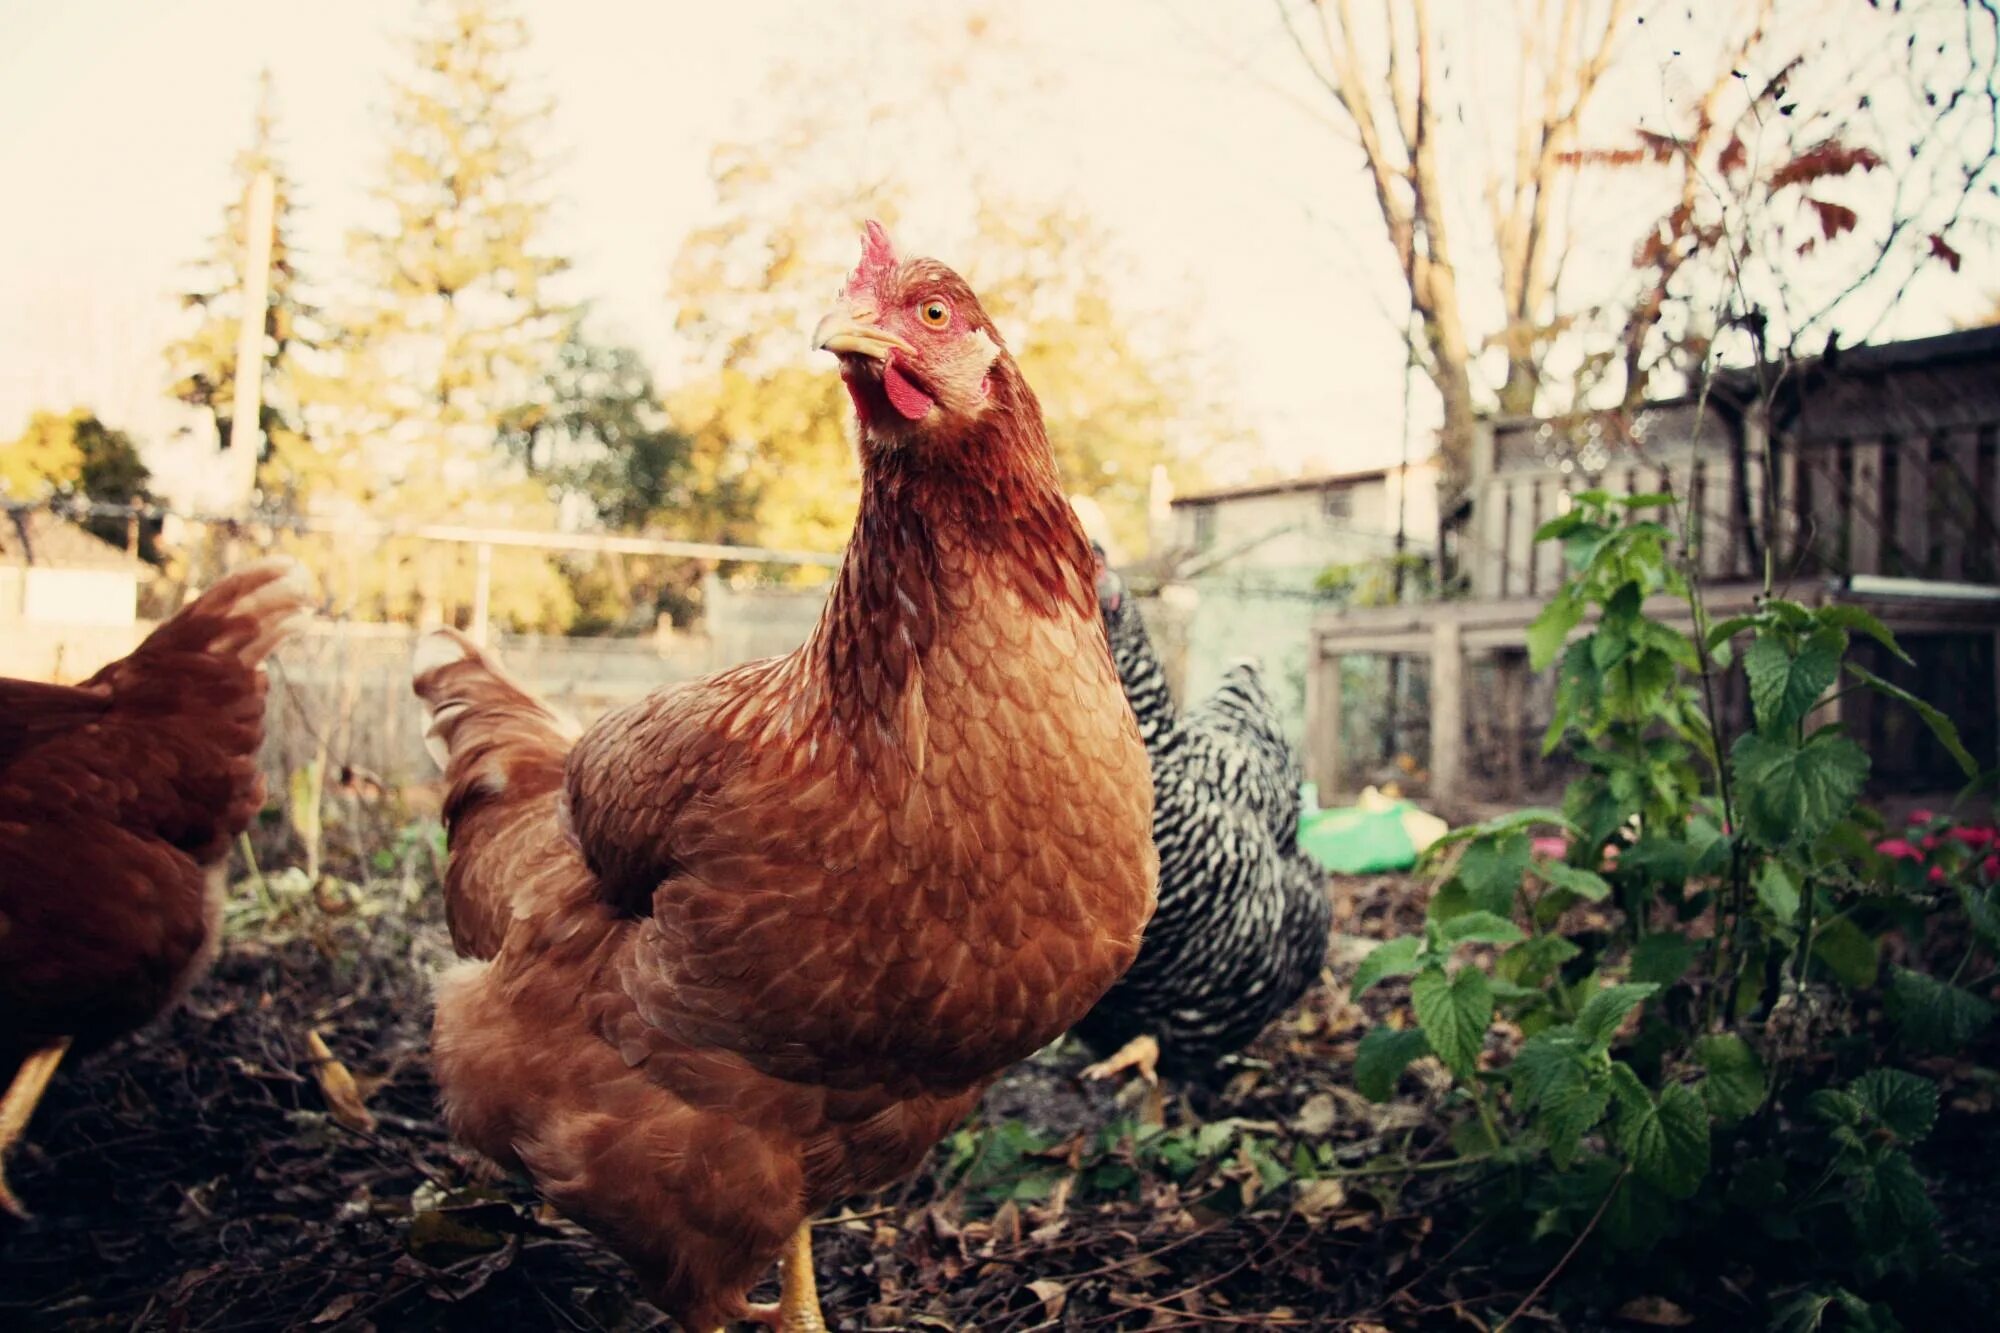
[(18, 1105), (797, 1310)]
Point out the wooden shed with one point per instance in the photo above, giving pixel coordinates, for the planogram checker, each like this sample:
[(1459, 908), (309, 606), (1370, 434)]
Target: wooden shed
[(1876, 469)]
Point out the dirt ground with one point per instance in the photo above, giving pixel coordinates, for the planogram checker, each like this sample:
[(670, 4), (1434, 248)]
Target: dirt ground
[(195, 1178)]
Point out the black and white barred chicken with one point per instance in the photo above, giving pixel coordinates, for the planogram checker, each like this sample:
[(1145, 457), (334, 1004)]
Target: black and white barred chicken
[(1241, 927)]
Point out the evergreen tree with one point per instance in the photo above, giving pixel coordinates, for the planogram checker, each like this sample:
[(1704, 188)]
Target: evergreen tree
[(457, 324), (203, 363), (460, 318)]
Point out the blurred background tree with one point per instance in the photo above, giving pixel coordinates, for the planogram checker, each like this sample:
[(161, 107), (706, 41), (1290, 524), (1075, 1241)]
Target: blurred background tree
[(1476, 134), (596, 431), (203, 362), (771, 452), (456, 324), (72, 456)]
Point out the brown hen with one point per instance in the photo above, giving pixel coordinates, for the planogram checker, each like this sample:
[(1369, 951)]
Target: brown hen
[(118, 801), (756, 942)]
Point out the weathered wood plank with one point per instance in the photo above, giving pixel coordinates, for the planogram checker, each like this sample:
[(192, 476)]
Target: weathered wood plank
[(1512, 720), (1489, 561), (1548, 566), (1323, 719), (1750, 552), (1865, 510), (1521, 523), (1447, 711), (1911, 534), (1957, 473), (1785, 505), (1828, 498)]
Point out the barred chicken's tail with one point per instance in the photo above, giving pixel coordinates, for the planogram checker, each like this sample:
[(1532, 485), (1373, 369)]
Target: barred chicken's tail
[(502, 752)]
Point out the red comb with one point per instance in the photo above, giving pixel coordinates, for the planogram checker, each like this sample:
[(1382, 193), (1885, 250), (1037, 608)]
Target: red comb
[(878, 259)]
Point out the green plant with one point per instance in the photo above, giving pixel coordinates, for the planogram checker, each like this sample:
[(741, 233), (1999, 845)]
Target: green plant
[(1686, 960)]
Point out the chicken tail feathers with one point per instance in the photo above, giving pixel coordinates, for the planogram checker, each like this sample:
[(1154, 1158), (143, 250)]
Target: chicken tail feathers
[(502, 751), (242, 618)]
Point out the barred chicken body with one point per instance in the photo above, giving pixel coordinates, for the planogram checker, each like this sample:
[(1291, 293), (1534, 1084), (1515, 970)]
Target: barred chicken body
[(758, 941), (118, 801), (1241, 928)]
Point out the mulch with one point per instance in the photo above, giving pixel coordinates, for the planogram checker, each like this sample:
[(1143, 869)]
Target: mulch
[(194, 1178)]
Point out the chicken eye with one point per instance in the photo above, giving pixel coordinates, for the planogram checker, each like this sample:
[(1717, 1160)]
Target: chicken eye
[(934, 313)]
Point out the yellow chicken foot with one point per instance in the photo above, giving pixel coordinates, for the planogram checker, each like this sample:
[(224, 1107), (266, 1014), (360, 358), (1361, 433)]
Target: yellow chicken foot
[(18, 1105), (1143, 1054), (797, 1310)]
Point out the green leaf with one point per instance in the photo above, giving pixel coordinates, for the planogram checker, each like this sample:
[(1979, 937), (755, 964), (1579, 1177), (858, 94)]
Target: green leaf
[(1550, 630), (1734, 1088), (1845, 616), (1454, 1012), (1903, 1102), (1788, 613), (1660, 958), (1934, 1016), (1382, 1057), (1395, 958), (1723, 631), (1479, 928), (1514, 821), (1892, 1202), (1982, 910), (1637, 687), (1491, 871), (1795, 793), (1667, 1140), (1562, 525), (1941, 726), (1777, 891), (1568, 1082), (1784, 687), (1847, 950), (1650, 500), (1533, 960), (1604, 1013), (1586, 884)]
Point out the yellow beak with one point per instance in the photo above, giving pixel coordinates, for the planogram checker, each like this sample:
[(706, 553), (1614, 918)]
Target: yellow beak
[(854, 333)]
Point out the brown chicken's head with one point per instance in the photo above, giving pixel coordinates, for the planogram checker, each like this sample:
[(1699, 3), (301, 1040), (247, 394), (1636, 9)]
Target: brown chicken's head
[(916, 351)]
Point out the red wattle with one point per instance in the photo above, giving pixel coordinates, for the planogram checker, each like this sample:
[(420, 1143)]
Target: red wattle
[(904, 396)]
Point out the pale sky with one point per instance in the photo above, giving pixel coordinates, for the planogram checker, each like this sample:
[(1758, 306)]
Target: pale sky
[(119, 119)]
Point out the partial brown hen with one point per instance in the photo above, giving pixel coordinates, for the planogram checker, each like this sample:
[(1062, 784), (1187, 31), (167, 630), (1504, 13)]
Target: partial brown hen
[(119, 798), (755, 943)]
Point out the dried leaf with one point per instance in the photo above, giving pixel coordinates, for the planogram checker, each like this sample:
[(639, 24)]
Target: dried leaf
[(1941, 249), (338, 1308), (1318, 1116), (1654, 1311), (1833, 218), (1827, 158), (1317, 1198), (1052, 1294), (337, 1086)]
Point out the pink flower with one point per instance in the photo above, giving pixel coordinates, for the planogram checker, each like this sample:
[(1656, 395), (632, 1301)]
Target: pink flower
[(1922, 816), (1975, 838), (1990, 867), (1556, 847), (1930, 842), (1937, 874), (1899, 848)]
